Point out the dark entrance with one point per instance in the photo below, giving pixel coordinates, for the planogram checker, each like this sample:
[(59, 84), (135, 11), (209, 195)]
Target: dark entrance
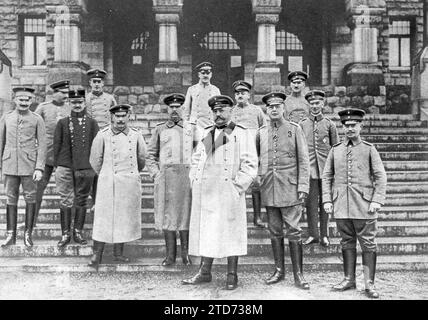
[(219, 30), (135, 39)]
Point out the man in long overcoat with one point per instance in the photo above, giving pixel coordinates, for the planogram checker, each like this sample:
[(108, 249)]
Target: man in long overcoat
[(321, 134), (168, 161), (354, 187), (117, 155), (284, 176), (223, 167), (22, 161)]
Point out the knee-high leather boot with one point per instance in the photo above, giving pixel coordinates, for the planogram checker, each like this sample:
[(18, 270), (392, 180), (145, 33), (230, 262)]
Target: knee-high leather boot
[(171, 247), (349, 267), (79, 222), (257, 207), (184, 243), (11, 222), (278, 256), (30, 213), (96, 258), (118, 253), (204, 272), (232, 273), (369, 265), (65, 216), (296, 254)]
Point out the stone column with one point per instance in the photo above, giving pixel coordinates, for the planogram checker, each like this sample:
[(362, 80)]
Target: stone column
[(364, 21), (266, 73), (167, 71), (66, 39)]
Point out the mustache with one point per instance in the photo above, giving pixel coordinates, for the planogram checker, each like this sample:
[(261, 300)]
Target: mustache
[(220, 117)]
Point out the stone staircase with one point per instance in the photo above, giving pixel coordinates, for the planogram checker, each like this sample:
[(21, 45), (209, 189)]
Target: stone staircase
[(403, 222)]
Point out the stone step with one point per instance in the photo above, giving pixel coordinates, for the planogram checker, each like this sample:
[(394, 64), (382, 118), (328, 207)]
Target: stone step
[(414, 176), (53, 201), (52, 231), (392, 166), (256, 247), (404, 155), (395, 138), (246, 263), (399, 147), (390, 123), (388, 213), (388, 130)]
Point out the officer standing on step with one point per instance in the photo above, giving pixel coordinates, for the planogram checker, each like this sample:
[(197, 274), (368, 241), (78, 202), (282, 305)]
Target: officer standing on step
[(296, 106), (223, 168), (98, 104), (321, 134), (253, 118), (118, 156), (195, 107), (51, 112), (284, 184), (74, 175), (168, 161), (22, 161), (354, 187)]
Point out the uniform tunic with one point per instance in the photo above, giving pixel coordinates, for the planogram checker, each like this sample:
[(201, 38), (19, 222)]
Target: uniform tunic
[(250, 116), (222, 170), (195, 107), (321, 134), (118, 158), (353, 177), (51, 113), (22, 143), (284, 163), (98, 106), (296, 108), (168, 161)]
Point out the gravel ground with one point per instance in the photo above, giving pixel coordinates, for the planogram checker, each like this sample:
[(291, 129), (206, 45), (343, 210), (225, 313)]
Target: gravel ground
[(166, 285)]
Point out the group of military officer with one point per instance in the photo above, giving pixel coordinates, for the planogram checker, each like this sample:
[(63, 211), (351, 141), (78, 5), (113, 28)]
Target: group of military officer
[(203, 159)]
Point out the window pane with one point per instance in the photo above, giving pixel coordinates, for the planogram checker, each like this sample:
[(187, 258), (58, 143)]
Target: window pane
[(28, 51), (41, 51), (405, 52), (393, 52)]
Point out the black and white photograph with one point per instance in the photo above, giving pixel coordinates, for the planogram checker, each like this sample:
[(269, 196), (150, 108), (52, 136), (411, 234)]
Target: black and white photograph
[(213, 155)]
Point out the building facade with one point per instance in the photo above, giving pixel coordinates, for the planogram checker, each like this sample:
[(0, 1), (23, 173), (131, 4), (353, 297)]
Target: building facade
[(359, 51)]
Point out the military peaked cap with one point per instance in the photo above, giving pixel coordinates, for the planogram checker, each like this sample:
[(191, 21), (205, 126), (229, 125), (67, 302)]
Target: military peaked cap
[(220, 101), (274, 98), (61, 85), (204, 65), (96, 73), (241, 85), (314, 94), (23, 91), (74, 94), (297, 75), (351, 114), (174, 99), (120, 107)]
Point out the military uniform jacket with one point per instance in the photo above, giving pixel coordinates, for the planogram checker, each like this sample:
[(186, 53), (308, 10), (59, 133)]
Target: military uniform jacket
[(51, 114), (296, 108), (353, 177), (321, 134), (118, 158), (250, 116), (73, 141), (169, 156), (195, 106), (223, 168), (98, 107), (284, 163), (22, 143)]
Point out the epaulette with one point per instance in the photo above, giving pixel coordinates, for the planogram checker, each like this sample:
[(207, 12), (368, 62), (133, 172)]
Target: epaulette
[(294, 123), (160, 123), (44, 103), (134, 129), (210, 126), (337, 144), (367, 143), (241, 126), (104, 129)]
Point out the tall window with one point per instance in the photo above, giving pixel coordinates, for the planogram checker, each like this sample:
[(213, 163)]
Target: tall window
[(399, 43), (139, 46), (33, 41), (219, 41)]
